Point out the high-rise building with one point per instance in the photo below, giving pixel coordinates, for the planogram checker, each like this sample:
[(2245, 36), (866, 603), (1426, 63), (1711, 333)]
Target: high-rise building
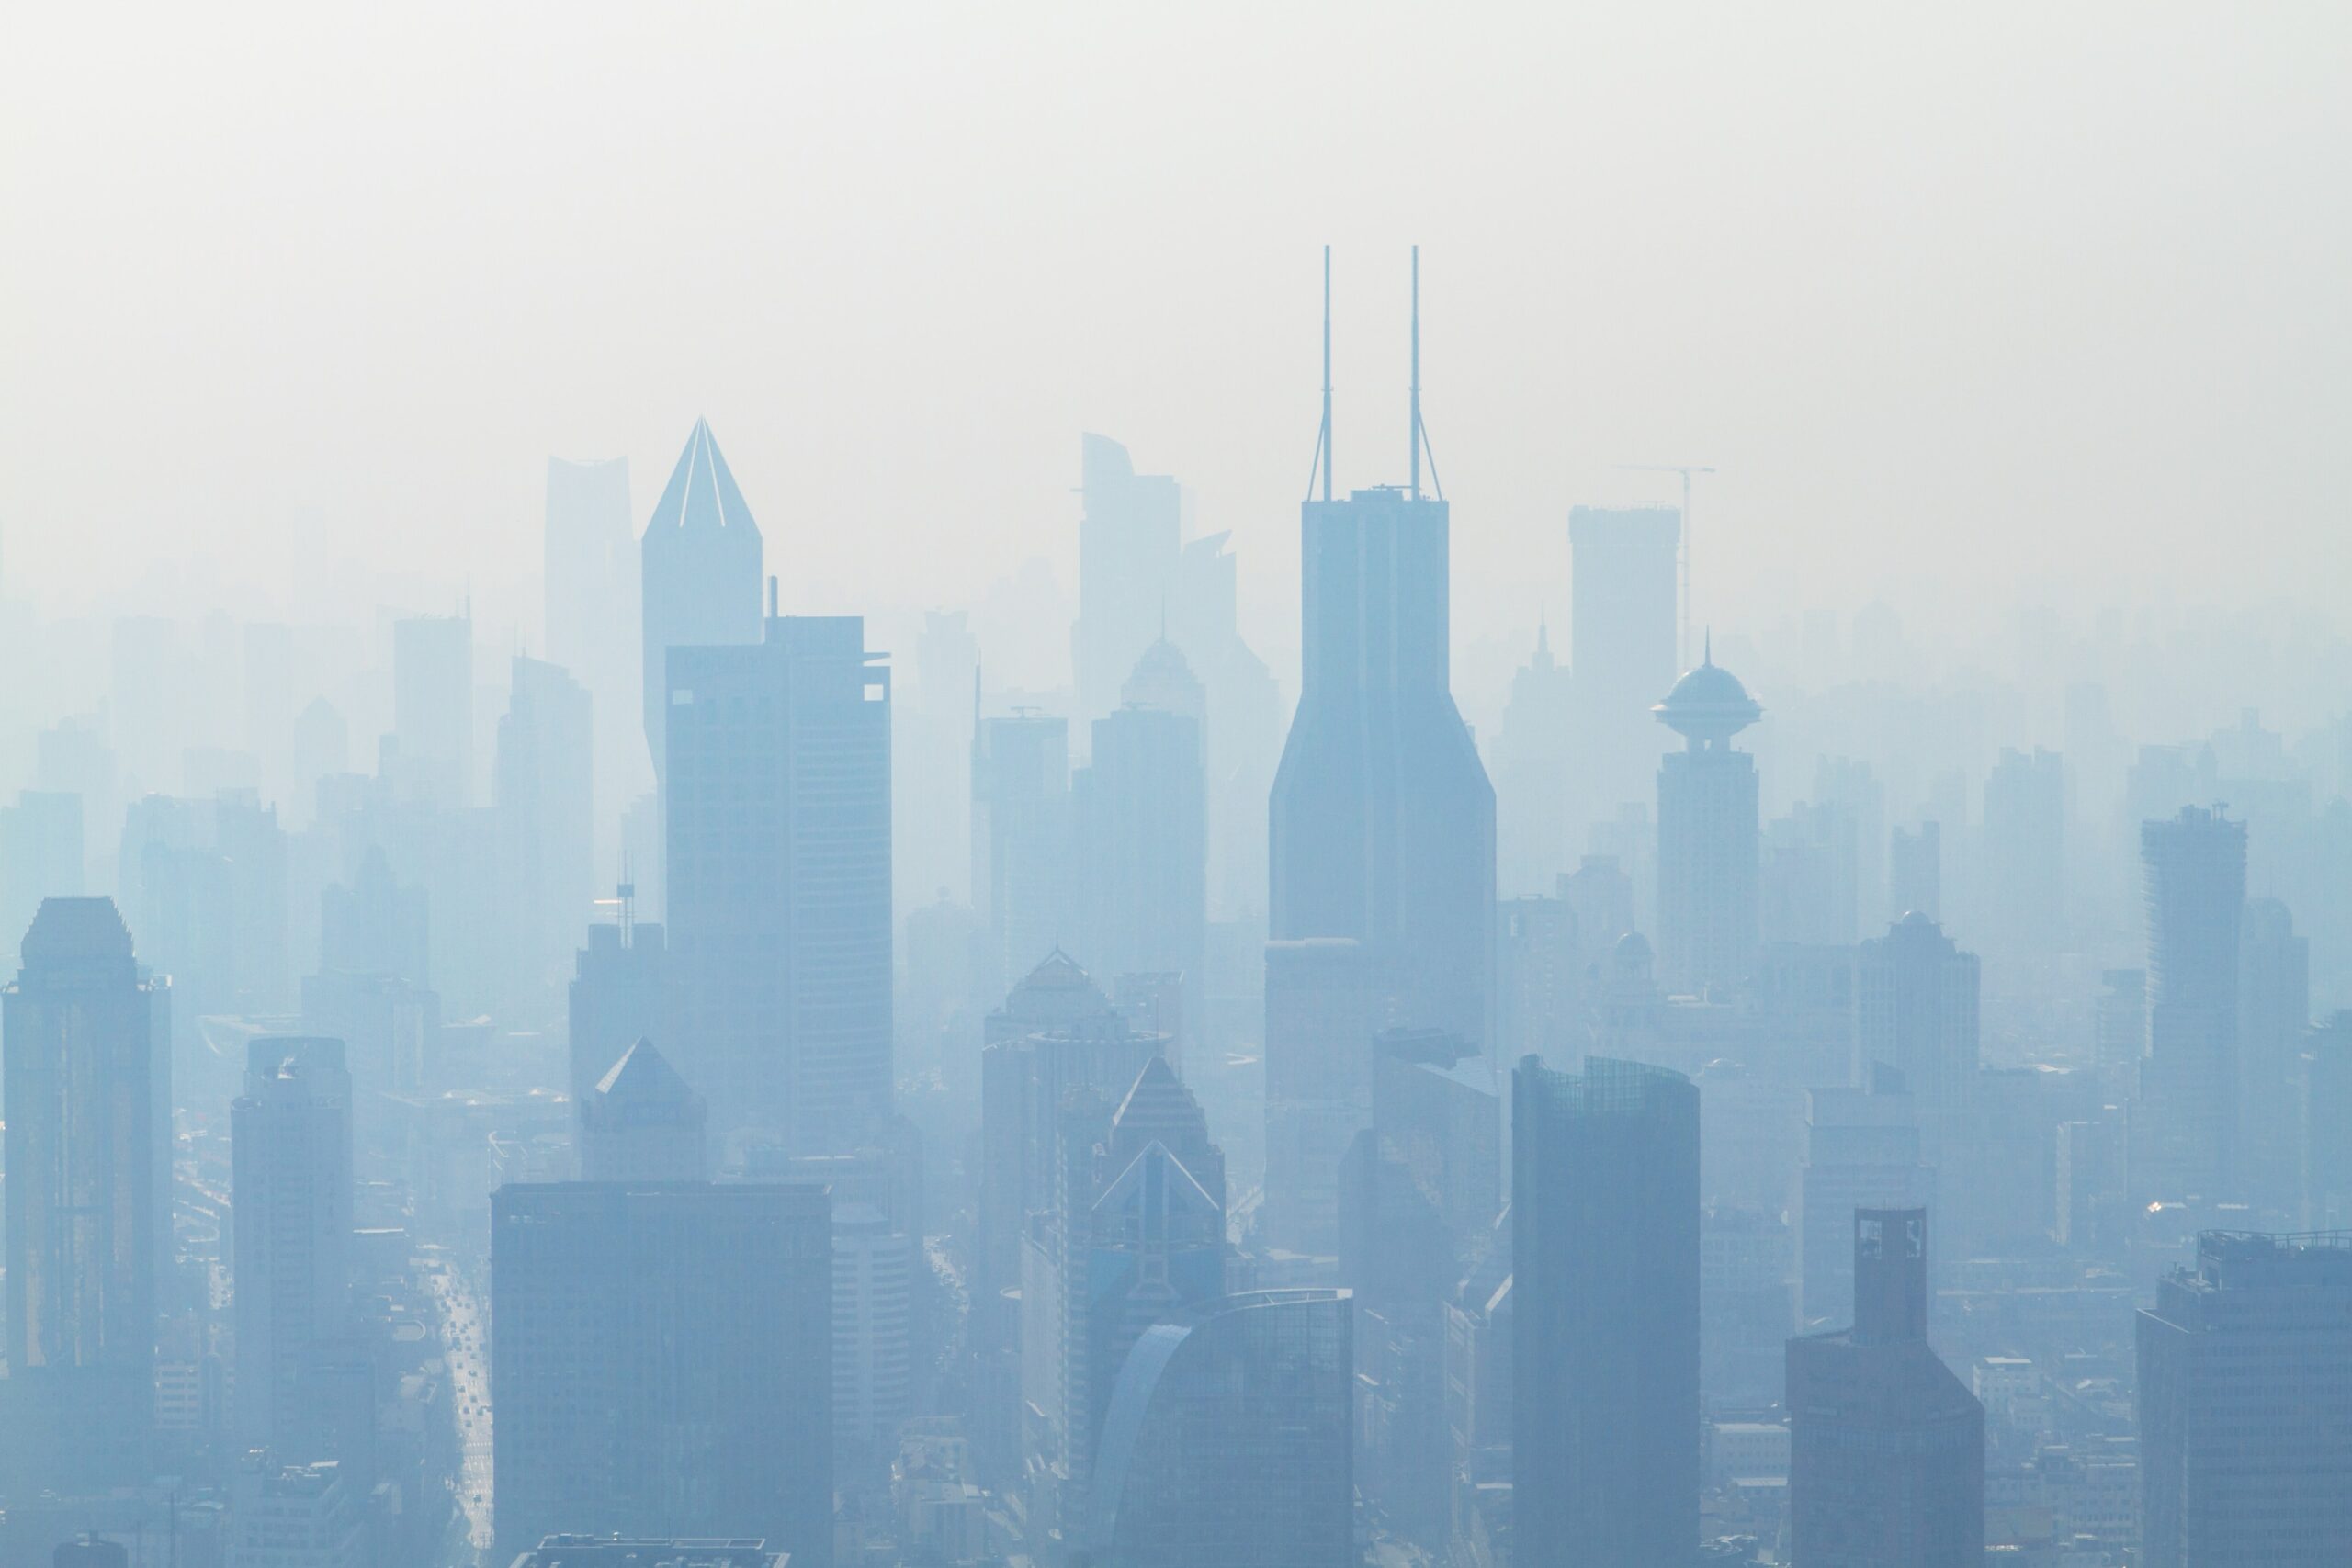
[(1708, 841), (543, 787), (291, 1188), (2120, 1031), (1141, 809), (1863, 1151), (433, 708), (779, 878), (700, 571), (592, 621), (2025, 849), (2184, 1131), (1023, 853), (1621, 645), (1129, 540), (2274, 1011), (2245, 1372), (1243, 734), (41, 856), (661, 1362), (1915, 871), (282, 1514), (1383, 822), (1886, 1446), (1532, 755), (1227, 1439), (620, 992), (643, 1123), (1915, 1011), (1323, 1009), (1605, 1260), (85, 1050)]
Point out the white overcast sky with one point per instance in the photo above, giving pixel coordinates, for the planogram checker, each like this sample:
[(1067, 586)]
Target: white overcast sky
[(1964, 302)]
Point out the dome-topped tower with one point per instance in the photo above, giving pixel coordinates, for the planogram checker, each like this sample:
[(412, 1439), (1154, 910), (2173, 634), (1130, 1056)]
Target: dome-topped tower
[(1708, 705)]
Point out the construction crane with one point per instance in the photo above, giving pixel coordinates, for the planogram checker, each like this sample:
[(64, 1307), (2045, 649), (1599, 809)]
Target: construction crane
[(1682, 549)]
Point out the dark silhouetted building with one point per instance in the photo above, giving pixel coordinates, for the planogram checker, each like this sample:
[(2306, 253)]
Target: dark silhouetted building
[(1605, 1261), (2245, 1375), (779, 879), (661, 1362), (1708, 838), (1227, 1439), (1886, 1447), (87, 1088)]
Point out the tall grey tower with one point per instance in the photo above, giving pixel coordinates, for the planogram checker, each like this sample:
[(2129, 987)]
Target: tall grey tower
[(88, 1094), (1383, 822), (701, 571), (1129, 544), (2184, 1138), (1707, 835), (593, 630)]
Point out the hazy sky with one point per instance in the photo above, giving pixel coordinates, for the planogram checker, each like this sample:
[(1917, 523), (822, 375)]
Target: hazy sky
[(1955, 300)]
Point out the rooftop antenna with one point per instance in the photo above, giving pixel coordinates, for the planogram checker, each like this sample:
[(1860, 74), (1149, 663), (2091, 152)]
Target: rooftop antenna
[(1323, 437), (1682, 541)]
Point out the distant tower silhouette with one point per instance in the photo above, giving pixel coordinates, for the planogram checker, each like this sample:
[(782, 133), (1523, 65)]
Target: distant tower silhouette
[(701, 572), (1707, 834)]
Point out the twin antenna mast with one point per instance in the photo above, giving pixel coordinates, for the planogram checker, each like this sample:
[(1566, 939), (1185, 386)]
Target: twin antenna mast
[(1417, 436)]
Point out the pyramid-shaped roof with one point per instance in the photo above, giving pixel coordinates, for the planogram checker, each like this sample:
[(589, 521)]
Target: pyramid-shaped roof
[(643, 1076), (701, 493)]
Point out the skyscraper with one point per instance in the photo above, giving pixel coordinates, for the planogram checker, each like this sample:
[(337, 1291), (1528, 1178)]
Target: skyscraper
[(701, 575), (1023, 853), (1707, 836), (1886, 1447), (2274, 1011), (1533, 755), (544, 790), (85, 1047), (291, 1185), (432, 707), (1142, 815), (593, 612), (1323, 1007), (1863, 1151), (642, 1122), (1227, 1439), (779, 867), (661, 1362), (1605, 1255), (620, 993), (2184, 1132), (1915, 874), (1381, 822), (1915, 1011), (2245, 1372), (1129, 540), (2025, 848), (1621, 646)]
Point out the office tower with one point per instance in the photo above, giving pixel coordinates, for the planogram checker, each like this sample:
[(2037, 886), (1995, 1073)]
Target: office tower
[(1915, 875), (1621, 645), (1243, 739), (1323, 1006), (1533, 754), (779, 868), (2274, 1011), (1129, 539), (1746, 1305), (2120, 1031), (2245, 1372), (40, 855), (642, 1122), (700, 576), (543, 790), (1863, 1151), (1141, 810), (87, 1070), (374, 925), (2327, 1155), (1915, 1011), (1707, 848), (593, 628), (291, 1186), (1022, 849), (1227, 1439), (2184, 1132), (1381, 822), (432, 757), (619, 992), (282, 1514), (661, 1361), (1605, 1256), (1886, 1447), (204, 882), (1540, 964), (2025, 849), (1808, 886)]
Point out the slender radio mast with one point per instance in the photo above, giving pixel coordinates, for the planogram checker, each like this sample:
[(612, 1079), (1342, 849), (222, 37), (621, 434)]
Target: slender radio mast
[(1415, 434), (1324, 445)]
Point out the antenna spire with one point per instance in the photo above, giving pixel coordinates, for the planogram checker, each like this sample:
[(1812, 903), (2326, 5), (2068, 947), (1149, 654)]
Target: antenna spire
[(1323, 445), (1414, 435)]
